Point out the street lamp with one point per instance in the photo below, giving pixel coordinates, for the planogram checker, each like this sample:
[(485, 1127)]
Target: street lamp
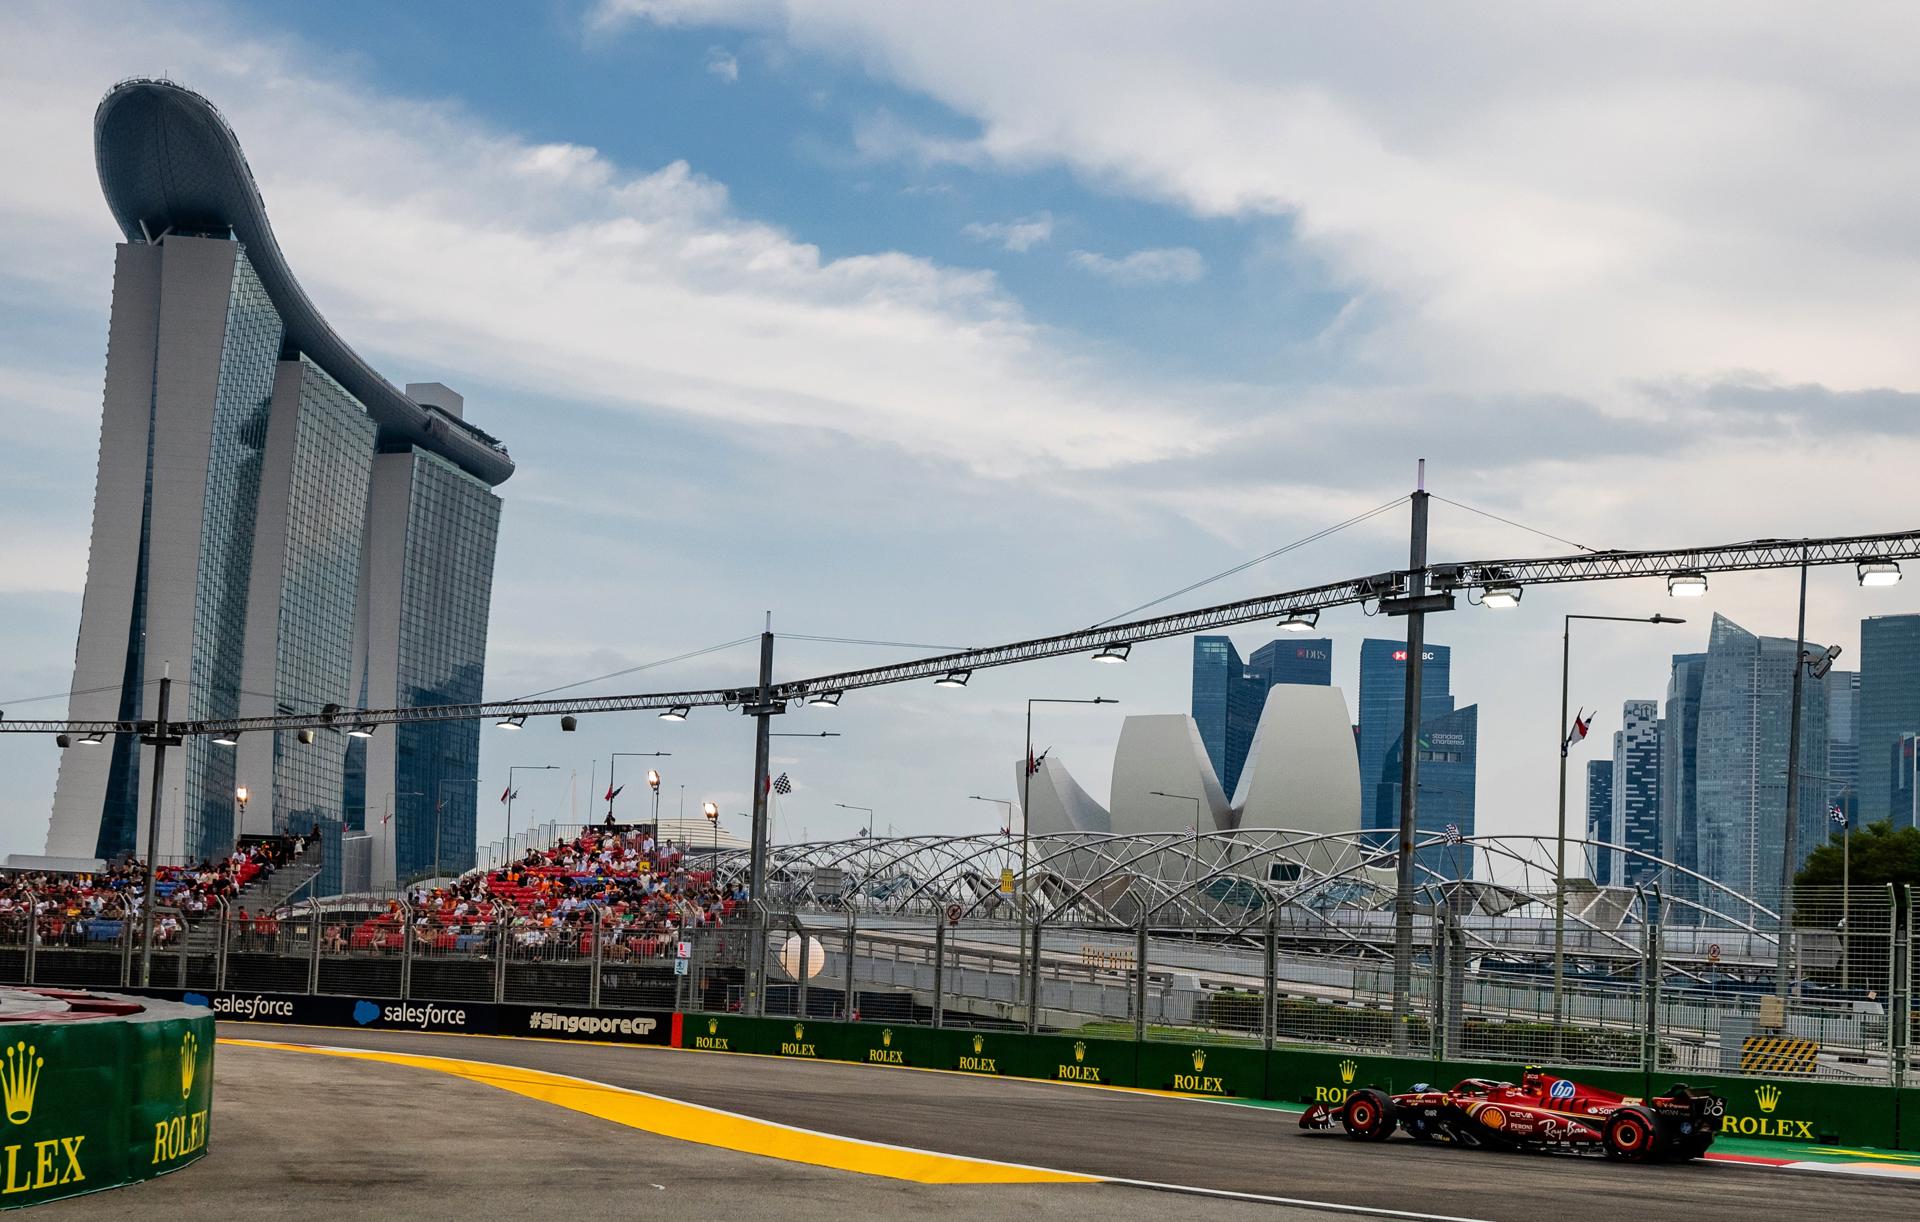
[(712, 811), (1186, 797), (1006, 825), (1566, 745), (653, 783), (511, 795), (240, 798), (1026, 832), (614, 763)]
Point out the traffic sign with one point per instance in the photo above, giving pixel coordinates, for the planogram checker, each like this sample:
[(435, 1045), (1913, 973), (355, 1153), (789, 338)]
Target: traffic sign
[(683, 950), (1713, 952), (953, 914), (680, 967), (1006, 882)]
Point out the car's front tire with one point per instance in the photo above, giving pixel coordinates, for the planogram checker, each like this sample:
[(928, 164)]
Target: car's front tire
[(1368, 1115)]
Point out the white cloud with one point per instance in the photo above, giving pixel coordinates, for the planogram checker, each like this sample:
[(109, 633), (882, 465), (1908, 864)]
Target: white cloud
[(1533, 198), (1164, 265), (721, 63), (1020, 234), (635, 287)]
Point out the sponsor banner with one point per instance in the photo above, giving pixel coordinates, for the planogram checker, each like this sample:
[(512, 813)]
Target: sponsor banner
[(1788, 1108), (1220, 1071), (103, 1103), (446, 1017)]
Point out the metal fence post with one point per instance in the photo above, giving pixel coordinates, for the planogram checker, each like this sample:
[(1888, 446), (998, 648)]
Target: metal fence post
[(186, 939), (939, 969), (1438, 973), (126, 951), (33, 932), (846, 998), (406, 949), (1033, 976), (226, 934), (802, 966), (596, 958), (1900, 940), (1650, 985), (502, 938), (1140, 978), (1268, 1000), (314, 921)]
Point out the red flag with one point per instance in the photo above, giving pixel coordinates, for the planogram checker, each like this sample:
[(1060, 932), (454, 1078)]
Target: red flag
[(1582, 722)]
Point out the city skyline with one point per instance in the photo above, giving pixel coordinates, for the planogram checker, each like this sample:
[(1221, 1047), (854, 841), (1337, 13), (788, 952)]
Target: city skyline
[(816, 267)]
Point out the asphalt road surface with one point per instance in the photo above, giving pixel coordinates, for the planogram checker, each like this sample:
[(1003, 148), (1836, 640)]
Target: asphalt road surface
[(1124, 1135)]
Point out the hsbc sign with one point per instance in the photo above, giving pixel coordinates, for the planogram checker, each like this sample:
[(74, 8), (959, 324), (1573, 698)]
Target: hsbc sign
[(1400, 655)]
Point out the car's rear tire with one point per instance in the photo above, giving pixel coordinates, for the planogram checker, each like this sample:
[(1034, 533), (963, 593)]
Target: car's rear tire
[(1628, 1137), (1368, 1115)]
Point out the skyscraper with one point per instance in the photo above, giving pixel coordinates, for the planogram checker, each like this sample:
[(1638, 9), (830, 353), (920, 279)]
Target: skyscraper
[(1745, 712), (1680, 762), (273, 523), (1307, 660), (1636, 790), (1383, 701), (1889, 706), (1600, 814), (1228, 693), (1843, 742), (1449, 759)]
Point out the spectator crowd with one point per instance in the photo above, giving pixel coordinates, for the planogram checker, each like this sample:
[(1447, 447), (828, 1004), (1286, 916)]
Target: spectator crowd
[(76, 909), (645, 892)]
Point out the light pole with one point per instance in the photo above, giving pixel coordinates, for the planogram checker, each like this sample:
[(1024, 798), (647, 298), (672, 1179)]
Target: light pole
[(240, 799), (1818, 665), (1006, 825), (1560, 838), (387, 828), (1186, 797), (865, 831), (712, 811), (653, 783), (511, 794), (1027, 767), (615, 762)]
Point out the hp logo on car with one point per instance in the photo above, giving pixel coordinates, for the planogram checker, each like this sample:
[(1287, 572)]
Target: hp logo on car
[(1562, 1089)]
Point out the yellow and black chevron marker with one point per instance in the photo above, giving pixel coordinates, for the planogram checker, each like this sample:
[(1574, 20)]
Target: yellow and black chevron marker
[(1778, 1054)]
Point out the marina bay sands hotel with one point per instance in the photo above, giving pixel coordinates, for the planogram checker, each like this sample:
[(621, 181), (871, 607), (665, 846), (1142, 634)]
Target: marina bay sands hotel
[(277, 527)]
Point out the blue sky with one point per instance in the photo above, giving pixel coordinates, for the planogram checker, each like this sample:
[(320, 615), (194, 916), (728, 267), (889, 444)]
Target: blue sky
[(958, 324)]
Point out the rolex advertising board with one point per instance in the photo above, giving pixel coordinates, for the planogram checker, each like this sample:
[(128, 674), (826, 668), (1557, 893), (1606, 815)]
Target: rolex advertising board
[(98, 1104), (1221, 1070)]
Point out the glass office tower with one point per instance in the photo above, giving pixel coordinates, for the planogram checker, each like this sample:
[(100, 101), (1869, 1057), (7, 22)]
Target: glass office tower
[(1889, 706), (1636, 790), (1229, 694), (1745, 715), (1680, 762), (1600, 816), (1383, 702)]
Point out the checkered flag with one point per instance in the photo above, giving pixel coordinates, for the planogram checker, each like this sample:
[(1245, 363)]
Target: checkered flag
[(1453, 834), (781, 785), (1838, 816)]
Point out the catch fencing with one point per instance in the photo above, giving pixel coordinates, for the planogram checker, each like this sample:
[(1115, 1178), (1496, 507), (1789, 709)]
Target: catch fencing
[(1655, 996)]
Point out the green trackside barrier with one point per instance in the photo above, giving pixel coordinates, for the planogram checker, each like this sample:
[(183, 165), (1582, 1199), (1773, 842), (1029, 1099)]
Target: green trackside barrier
[(1909, 1108), (1221, 1071), (1785, 1108), (1050, 1058), (1296, 1075), (101, 1103)]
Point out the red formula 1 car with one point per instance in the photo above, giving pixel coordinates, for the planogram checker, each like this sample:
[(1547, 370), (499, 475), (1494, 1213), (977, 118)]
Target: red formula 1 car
[(1541, 1113)]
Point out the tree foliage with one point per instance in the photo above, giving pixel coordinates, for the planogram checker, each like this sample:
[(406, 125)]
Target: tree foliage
[(1880, 855)]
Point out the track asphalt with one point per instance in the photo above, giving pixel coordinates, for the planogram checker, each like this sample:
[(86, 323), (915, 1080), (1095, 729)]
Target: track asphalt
[(1208, 1147)]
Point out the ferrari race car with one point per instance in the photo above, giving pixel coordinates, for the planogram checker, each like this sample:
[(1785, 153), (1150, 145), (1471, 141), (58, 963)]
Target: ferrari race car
[(1541, 1113)]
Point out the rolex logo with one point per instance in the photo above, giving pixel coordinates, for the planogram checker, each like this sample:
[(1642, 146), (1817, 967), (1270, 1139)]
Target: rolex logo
[(1347, 1070), (886, 1037), (1199, 1059), (799, 1032), (713, 1026), (1079, 1051), (19, 1078), (189, 1050), (979, 1042), (1768, 1096)]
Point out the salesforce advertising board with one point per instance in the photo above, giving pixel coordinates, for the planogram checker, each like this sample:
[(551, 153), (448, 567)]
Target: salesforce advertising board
[(451, 1017)]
